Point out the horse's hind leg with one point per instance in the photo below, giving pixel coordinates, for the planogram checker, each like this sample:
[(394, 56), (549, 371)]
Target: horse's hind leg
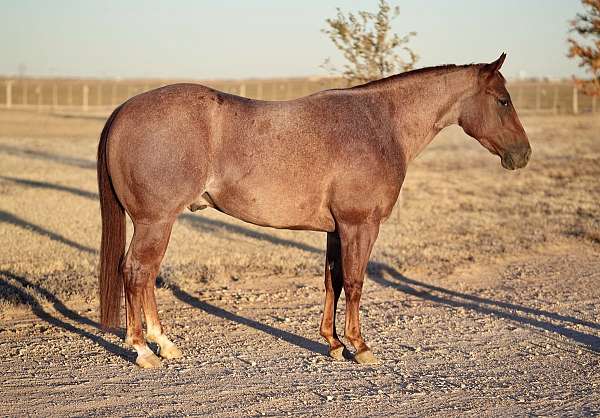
[(334, 281), (154, 330), (140, 268)]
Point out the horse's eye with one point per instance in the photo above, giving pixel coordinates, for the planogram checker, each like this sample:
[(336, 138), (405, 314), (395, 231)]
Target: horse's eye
[(503, 102)]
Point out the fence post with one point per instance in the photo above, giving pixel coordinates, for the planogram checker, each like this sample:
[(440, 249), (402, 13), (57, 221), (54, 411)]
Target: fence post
[(25, 93), (54, 96), (305, 88), (38, 93), (555, 100), (259, 91), (99, 97), (84, 101), (282, 96), (575, 101), (113, 95), (538, 98), (9, 84), (243, 90)]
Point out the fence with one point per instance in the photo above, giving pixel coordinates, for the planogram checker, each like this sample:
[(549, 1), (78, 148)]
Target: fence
[(102, 95)]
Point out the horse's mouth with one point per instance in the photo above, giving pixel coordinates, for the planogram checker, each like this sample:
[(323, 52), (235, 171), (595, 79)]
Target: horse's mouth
[(515, 160), (507, 162)]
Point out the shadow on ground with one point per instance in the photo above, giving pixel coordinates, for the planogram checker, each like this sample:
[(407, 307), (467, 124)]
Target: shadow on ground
[(390, 277), (23, 289), (46, 156), (7, 217), (379, 272), (210, 309)]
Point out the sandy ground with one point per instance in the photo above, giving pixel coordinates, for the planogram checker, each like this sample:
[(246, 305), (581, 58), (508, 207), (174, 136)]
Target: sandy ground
[(481, 298)]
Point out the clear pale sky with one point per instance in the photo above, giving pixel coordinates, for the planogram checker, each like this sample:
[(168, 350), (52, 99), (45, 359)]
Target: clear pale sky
[(267, 38)]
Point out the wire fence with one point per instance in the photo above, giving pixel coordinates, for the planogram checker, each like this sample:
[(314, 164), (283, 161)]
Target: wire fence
[(103, 95)]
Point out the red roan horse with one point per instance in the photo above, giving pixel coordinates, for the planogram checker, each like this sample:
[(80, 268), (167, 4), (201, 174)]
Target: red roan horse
[(333, 161)]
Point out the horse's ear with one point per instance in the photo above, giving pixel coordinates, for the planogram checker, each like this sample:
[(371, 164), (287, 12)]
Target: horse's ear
[(494, 67)]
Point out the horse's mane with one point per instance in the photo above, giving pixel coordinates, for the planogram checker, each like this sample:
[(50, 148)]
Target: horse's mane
[(413, 73)]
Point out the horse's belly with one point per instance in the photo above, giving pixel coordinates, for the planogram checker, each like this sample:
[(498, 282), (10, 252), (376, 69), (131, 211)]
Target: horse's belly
[(277, 207)]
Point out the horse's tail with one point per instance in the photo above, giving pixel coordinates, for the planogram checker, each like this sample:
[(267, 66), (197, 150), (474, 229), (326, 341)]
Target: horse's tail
[(112, 246)]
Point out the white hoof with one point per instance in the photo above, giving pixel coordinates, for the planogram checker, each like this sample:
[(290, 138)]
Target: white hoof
[(147, 361), (366, 357), (170, 351)]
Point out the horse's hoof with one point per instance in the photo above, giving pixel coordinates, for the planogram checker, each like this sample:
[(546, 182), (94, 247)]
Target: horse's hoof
[(170, 352), (148, 361), (337, 353), (366, 357)]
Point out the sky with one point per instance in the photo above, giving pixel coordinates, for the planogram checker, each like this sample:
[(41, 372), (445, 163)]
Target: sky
[(202, 39)]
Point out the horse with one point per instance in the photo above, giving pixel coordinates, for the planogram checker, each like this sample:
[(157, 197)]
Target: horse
[(333, 161)]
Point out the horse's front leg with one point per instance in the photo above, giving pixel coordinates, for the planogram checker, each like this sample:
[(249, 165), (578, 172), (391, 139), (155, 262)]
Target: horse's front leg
[(356, 245), (334, 281)]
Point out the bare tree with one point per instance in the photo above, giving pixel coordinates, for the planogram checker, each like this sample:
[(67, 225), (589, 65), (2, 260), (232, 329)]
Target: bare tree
[(370, 48), (586, 49)]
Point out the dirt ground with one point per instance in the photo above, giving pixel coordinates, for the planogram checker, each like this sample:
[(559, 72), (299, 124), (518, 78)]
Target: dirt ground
[(481, 298)]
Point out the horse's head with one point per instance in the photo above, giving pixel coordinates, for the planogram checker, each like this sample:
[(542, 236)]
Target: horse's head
[(490, 118)]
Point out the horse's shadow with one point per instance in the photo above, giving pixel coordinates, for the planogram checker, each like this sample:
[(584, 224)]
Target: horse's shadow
[(12, 291), (531, 317), (289, 337)]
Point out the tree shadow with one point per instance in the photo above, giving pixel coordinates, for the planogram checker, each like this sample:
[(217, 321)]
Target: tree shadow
[(46, 156), (15, 220), (287, 336), (51, 186), (515, 313), (15, 291)]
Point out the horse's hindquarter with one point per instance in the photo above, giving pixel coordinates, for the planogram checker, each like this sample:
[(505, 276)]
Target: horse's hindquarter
[(159, 150), (295, 164)]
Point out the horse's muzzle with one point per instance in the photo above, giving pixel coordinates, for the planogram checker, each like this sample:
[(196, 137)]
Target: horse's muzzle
[(511, 160)]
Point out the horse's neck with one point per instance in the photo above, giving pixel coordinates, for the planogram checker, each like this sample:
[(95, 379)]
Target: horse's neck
[(424, 104)]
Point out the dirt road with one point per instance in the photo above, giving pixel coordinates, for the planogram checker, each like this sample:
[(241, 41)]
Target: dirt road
[(482, 296)]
